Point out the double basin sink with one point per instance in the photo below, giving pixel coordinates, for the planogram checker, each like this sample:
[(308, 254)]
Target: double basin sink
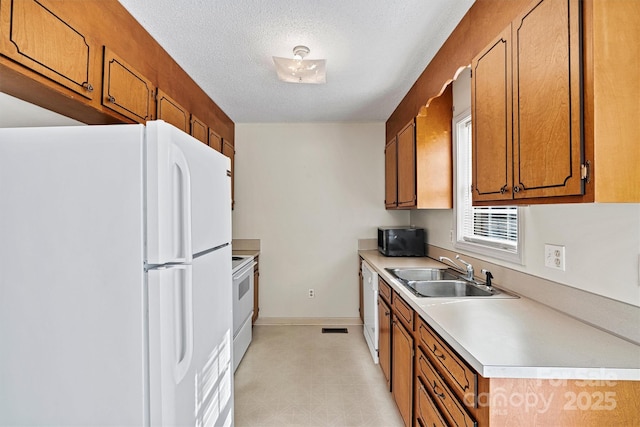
[(444, 283)]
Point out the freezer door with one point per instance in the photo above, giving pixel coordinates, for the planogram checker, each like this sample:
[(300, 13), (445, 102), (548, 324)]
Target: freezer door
[(188, 195), (72, 331), (190, 342)]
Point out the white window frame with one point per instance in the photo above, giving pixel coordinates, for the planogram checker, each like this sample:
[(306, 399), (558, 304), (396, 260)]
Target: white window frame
[(459, 242)]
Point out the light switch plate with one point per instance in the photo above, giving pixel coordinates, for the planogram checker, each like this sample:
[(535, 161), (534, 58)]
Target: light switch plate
[(554, 256)]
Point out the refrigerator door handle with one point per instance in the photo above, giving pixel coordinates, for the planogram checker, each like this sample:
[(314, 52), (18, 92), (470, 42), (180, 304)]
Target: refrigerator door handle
[(182, 203), (183, 299)]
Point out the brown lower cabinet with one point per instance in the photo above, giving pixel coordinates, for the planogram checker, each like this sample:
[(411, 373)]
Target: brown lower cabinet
[(256, 291), (402, 369), (433, 385), (384, 339)]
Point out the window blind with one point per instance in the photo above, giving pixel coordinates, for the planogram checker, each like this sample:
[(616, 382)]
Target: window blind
[(493, 226)]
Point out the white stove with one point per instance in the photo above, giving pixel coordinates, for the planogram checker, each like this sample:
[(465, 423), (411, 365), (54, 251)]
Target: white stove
[(242, 266), (239, 261)]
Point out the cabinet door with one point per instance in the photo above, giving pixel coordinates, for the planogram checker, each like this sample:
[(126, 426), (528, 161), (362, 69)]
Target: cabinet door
[(434, 156), (125, 90), (547, 100), (172, 112), (391, 174), (37, 35), (361, 292), (199, 130), (407, 166), (402, 370), (229, 151), (384, 339), (215, 141), (256, 291), (491, 121)]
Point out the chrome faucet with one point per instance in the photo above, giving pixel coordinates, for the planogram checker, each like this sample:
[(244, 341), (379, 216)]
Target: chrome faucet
[(469, 267), (452, 262)]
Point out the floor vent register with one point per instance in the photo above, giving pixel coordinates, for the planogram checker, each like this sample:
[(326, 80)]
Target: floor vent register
[(335, 330)]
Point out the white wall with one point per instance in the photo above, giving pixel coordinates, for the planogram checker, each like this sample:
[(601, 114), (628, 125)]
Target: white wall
[(18, 113), (602, 241), (602, 244), (308, 192)]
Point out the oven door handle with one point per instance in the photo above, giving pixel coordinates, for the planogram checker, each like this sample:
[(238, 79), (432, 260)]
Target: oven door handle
[(248, 267)]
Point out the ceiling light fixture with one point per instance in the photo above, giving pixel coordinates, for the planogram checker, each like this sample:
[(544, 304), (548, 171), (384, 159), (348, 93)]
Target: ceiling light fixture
[(300, 70)]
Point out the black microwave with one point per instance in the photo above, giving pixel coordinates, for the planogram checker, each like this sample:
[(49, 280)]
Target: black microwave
[(401, 241)]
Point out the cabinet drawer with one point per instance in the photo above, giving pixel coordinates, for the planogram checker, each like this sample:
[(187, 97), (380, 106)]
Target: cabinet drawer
[(427, 413), (384, 290), (445, 399), (462, 378), (403, 311)]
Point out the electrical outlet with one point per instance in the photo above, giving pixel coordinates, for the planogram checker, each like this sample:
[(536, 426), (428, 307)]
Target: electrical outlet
[(554, 256), (312, 293)]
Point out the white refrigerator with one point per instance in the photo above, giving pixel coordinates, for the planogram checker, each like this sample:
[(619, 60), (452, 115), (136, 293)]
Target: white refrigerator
[(115, 278)]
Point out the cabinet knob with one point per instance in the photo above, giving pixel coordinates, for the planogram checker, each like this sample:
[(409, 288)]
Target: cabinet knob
[(504, 189), (516, 189), (111, 99), (434, 387), (87, 86), (438, 353)]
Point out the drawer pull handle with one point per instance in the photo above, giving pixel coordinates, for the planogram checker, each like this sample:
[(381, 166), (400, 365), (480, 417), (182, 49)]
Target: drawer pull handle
[(434, 387), (438, 353)]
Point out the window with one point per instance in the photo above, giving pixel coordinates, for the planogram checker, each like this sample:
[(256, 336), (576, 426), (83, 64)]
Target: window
[(488, 230)]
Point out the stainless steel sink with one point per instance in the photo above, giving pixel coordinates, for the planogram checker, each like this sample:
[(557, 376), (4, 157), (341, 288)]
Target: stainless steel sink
[(447, 288), (423, 273), (444, 283)]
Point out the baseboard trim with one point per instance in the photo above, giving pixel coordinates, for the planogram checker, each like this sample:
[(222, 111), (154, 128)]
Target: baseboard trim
[(300, 321)]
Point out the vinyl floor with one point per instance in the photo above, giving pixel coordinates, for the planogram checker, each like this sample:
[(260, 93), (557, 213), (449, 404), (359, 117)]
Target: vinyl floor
[(298, 376)]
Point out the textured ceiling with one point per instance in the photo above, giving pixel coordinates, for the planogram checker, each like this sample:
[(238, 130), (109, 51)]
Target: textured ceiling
[(375, 51)]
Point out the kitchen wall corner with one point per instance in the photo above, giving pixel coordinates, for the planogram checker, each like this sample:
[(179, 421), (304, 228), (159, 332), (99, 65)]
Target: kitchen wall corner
[(245, 244)]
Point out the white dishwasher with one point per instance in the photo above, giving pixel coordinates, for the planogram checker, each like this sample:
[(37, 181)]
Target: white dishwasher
[(370, 301)]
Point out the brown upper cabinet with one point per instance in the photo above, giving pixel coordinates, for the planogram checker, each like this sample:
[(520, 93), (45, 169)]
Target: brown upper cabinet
[(611, 94), (526, 106), (434, 155), (229, 151), (199, 130), (65, 56), (39, 35), (125, 90), (418, 161), (406, 169), (555, 109), (215, 141), (391, 174), (400, 169), (172, 112)]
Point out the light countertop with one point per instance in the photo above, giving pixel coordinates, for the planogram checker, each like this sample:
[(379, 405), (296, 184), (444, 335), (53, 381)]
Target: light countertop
[(253, 253), (516, 338)]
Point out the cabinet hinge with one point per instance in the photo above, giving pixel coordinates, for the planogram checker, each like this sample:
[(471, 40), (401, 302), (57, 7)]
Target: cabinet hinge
[(585, 171)]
